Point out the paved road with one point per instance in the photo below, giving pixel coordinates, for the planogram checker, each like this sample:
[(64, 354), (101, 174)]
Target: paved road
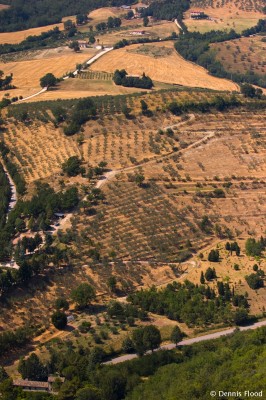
[(186, 342)]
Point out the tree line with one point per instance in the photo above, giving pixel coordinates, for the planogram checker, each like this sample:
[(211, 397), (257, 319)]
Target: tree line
[(195, 305), (122, 78), (25, 14)]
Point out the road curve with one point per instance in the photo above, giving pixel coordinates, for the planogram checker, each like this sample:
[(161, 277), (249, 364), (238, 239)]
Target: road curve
[(187, 342)]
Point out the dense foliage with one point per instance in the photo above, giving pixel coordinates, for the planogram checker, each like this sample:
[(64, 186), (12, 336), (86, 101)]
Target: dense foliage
[(166, 9), (192, 372), (190, 303), (121, 77), (24, 14), (224, 365), (5, 195)]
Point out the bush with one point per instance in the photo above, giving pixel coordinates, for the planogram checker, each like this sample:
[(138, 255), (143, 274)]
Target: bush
[(59, 320)]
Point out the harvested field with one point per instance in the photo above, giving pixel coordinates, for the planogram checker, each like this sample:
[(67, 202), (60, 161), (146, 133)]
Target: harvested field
[(170, 69), (230, 15), (27, 74), (242, 55), (19, 36)]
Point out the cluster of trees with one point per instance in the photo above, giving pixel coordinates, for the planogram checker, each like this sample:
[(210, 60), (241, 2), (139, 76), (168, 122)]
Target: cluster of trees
[(37, 212), (5, 196), (233, 247), (166, 9), (255, 280), (195, 46), (24, 15), (255, 247), (218, 103), (121, 78), (5, 81), (249, 91), (82, 112), (72, 166), (110, 24), (189, 303), (206, 368), (9, 340), (259, 28), (12, 169), (34, 41)]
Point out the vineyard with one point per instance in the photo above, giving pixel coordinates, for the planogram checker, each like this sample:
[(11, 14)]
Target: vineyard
[(103, 76)]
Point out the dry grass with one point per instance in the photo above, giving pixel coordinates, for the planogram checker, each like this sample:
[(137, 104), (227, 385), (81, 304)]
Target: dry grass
[(154, 30), (230, 15), (243, 55), (27, 74), (170, 69), (226, 273)]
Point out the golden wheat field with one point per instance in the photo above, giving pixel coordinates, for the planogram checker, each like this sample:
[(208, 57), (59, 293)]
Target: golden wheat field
[(27, 74), (170, 68)]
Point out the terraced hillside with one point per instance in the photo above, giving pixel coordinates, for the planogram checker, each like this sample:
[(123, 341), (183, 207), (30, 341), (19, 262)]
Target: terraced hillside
[(217, 171)]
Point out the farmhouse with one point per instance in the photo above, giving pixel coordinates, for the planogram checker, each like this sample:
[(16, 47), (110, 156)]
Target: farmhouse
[(36, 386), (197, 14), (32, 385), (82, 44)]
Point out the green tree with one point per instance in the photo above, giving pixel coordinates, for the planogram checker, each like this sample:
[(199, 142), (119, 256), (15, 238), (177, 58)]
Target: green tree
[(151, 337), (145, 21), (202, 279), (61, 303), (214, 256), (111, 283), (32, 368), (48, 80), (88, 393), (83, 295), (72, 167), (113, 385), (176, 335), (74, 46), (139, 179), (59, 320), (210, 274)]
